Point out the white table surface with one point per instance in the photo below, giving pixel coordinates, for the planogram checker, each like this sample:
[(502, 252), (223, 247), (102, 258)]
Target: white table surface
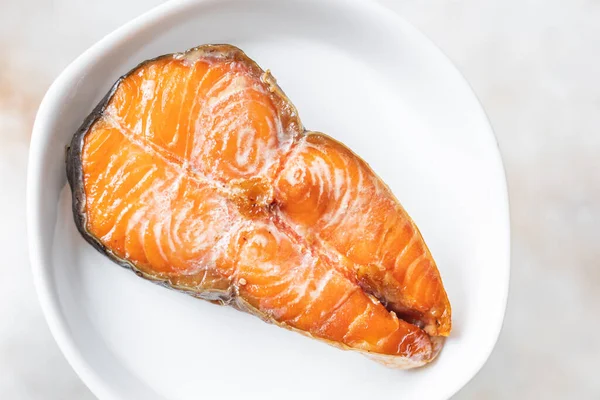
[(535, 66)]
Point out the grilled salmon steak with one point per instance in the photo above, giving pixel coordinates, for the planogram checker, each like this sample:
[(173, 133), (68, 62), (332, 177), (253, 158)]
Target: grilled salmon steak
[(196, 172)]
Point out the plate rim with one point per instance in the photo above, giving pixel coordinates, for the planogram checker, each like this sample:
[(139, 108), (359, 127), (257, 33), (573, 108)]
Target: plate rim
[(41, 135)]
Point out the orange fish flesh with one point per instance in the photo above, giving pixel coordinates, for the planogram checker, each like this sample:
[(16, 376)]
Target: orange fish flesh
[(196, 172)]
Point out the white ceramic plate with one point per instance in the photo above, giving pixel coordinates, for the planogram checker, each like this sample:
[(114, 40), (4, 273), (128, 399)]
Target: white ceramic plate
[(354, 70)]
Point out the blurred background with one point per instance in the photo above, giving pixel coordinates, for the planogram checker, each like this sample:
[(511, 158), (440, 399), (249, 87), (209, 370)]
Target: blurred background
[(534, 64)]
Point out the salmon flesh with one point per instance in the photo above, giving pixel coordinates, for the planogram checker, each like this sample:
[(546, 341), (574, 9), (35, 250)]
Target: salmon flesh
[(195, 172)]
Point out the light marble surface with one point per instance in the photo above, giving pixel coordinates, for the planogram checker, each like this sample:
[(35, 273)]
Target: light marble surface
[(535, 66)]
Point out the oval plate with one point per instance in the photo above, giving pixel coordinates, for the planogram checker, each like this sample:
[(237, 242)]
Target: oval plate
[(354, 70)]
